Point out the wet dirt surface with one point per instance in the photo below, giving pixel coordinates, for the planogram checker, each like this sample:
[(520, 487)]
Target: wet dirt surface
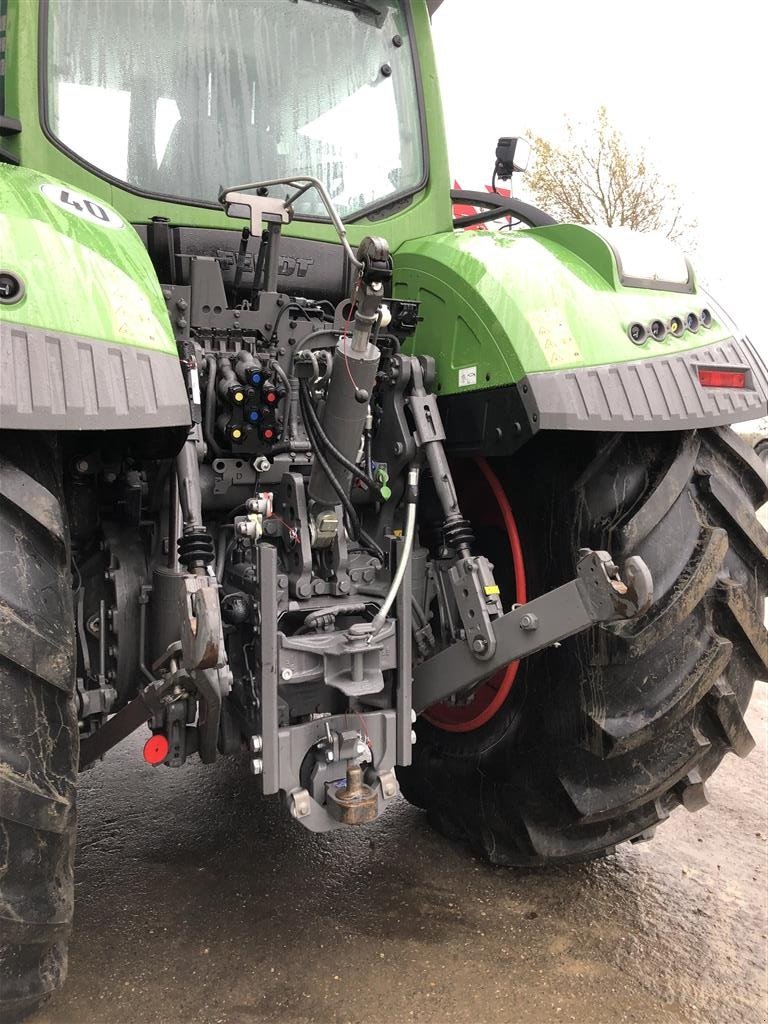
[(197, 901)]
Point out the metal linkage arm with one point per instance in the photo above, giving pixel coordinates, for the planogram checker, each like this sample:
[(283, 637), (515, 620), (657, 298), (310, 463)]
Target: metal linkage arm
[(598, 594)]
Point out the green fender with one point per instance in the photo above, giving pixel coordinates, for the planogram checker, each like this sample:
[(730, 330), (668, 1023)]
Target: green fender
[(86, 342), (498, 306), (85, 271)]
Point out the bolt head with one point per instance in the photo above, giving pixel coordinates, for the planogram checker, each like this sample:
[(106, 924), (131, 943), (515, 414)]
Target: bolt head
[(299, 810), (529, 621), (256, 744), (329, 756), (479, 645), (257, 765), (286, 674), (413, 736)]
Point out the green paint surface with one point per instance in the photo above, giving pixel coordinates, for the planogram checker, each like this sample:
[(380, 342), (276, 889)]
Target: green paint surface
[(426, 212), (495, 305), (511, 303), (80, 277)]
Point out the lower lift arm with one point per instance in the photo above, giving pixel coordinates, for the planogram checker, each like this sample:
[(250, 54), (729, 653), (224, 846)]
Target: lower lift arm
[(598, 594)]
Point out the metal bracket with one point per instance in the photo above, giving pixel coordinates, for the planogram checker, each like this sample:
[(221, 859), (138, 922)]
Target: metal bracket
[(200, 621), (598, 594), (347, 660), (136, 712), (477, 597)]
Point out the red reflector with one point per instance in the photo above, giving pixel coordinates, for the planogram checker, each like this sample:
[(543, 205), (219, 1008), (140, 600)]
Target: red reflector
[(722, 378), (156, 749)]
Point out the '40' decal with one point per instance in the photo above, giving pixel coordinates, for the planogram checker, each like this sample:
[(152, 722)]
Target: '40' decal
[(81, 206)]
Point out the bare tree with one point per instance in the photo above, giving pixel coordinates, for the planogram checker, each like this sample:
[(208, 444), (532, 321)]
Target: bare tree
[(596, 179)]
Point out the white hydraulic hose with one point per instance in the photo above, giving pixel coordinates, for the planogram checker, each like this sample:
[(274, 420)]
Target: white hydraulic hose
[(405, 561)]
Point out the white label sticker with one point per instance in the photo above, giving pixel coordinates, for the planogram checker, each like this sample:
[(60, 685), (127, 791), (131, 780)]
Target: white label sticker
[(467, 376), (81, 206)]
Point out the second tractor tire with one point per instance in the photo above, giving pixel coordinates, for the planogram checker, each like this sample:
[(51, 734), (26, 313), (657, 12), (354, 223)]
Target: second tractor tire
[(601, 738)]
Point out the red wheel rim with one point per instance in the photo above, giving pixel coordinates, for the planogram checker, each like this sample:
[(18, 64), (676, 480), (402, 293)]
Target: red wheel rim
[(485, 504)]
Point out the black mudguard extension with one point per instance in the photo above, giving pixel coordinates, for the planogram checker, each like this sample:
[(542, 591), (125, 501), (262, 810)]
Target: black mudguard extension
[(647, 395)]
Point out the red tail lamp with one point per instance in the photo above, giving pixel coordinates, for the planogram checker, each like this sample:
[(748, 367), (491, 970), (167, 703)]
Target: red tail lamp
[(722, 378)]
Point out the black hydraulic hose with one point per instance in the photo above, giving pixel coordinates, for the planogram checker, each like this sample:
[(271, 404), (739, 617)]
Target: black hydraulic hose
[(418, 611), (315, 334), (331, 448), (291, 305), (325, 465), (367, 448), (240, 261), (210, 407), (289, 395), (354, 522)]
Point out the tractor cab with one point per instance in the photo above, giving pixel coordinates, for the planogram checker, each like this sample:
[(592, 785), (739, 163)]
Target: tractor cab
[(175, 100), (156, 106)]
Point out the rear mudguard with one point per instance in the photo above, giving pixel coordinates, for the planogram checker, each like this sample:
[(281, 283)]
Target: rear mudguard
[(532, 330), (85, 339)]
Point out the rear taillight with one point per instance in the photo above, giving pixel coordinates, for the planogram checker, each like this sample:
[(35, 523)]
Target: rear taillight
[(722, 378)]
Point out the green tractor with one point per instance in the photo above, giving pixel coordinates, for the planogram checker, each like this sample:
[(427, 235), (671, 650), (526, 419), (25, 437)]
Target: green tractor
[(292, 467)]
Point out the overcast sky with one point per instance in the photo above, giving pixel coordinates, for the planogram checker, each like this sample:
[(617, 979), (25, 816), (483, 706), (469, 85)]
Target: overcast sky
[(687, 79)]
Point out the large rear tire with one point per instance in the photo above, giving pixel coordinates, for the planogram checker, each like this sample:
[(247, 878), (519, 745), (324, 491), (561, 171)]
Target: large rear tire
[(38, 727), (600, 739)]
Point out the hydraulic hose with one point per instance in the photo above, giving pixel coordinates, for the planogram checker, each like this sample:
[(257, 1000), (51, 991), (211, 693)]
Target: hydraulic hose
[(290, 396), (296, 309), (352, 517), (317, 451), (331, 448), (210, 407), (314, 335), (411, 497)]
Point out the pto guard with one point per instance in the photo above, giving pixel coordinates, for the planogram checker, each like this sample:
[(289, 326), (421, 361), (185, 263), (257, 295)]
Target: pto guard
[(87, 343)]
